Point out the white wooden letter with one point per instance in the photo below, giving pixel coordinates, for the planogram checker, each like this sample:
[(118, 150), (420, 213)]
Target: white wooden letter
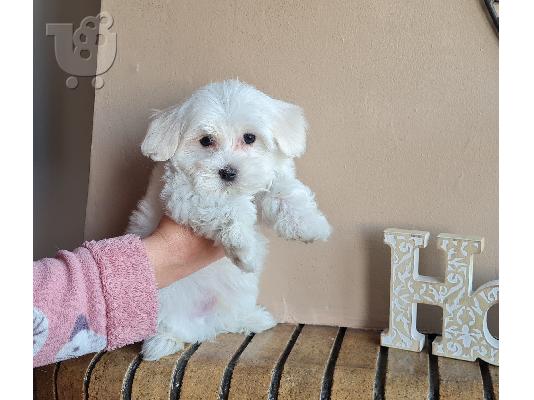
[(465, 333)]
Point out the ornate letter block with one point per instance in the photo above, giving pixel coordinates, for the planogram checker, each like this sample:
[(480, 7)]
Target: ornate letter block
[(465, 331)]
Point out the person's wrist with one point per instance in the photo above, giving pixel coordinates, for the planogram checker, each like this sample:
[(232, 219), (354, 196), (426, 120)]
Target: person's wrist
[(163, 259), (174, 252)]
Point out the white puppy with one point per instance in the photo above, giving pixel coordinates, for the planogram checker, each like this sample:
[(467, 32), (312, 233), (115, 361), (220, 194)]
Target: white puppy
[(224, 157)]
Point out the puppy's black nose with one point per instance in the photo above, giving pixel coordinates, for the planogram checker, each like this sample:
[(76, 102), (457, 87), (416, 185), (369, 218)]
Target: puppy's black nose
[(228, 173)]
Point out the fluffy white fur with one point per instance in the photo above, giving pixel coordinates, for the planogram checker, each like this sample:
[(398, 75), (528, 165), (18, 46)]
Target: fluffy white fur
[(186, 185)]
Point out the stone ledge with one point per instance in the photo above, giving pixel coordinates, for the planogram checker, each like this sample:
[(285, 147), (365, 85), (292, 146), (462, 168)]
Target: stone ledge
[(286, 362)]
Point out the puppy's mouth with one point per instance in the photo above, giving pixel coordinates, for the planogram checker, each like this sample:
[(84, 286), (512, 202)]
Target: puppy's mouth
[(228, 178)]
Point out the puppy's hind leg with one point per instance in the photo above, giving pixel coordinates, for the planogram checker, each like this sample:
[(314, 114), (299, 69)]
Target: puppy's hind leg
[(159, 346), (145, 218), (258, 320)]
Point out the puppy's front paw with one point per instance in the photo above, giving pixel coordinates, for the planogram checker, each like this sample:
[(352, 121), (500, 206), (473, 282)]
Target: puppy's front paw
[(248, 253), (308, 228), (316, 228), (245, 258)]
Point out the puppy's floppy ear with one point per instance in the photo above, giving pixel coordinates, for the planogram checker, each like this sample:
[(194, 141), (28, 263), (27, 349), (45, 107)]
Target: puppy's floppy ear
[(290, 130), (163, 135)]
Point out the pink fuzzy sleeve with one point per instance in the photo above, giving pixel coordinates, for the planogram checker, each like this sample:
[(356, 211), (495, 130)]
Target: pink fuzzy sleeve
[(101, 295)]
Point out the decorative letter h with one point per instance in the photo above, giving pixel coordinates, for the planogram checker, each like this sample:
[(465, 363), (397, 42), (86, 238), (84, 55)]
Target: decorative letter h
[(465, 333)]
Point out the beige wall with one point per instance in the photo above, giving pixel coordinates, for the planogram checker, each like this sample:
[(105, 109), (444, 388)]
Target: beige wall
[(402, 103)]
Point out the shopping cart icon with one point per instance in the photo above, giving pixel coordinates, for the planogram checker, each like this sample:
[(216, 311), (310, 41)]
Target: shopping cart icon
[(76, 53)]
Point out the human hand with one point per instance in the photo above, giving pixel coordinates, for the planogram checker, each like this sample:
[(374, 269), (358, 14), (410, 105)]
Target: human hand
[(174, 251)]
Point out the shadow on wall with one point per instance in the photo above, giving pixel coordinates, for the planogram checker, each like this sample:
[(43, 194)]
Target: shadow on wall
[(377, 259), (63, 121)]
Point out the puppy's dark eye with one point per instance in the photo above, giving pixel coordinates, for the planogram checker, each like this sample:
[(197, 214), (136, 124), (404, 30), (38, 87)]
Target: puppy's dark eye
[(249, 138), (207, 141)]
